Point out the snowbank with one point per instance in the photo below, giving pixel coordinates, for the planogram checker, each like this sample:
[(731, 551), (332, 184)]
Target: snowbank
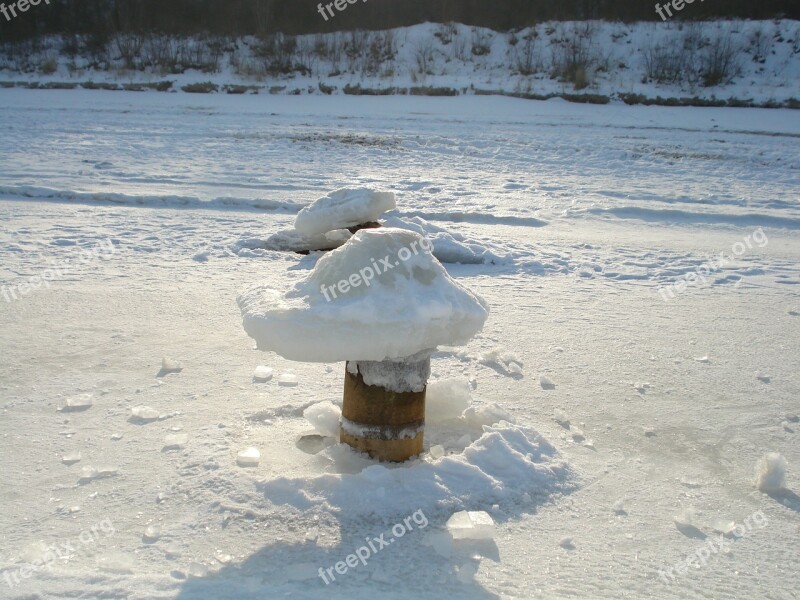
[(450, 247)]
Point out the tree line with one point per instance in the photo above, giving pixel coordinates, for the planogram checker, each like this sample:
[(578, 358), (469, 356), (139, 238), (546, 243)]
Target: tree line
[(99, 19)]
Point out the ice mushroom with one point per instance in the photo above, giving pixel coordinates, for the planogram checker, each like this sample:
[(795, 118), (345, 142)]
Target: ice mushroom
[(382, 303), (344, 209)]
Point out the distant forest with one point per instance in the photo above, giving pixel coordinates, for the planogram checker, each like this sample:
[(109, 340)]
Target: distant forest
[(102, 18)]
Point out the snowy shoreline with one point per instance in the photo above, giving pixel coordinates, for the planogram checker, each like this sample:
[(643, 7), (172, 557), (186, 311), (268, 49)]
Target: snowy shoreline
[(595, 62)]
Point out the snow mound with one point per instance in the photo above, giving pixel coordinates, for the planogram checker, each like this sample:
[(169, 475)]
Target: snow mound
[(343, 209), (446, 400), (380, 296), (450, 247), (771, 473), (508, 463)]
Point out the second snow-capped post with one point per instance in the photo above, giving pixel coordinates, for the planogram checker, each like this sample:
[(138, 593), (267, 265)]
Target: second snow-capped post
[(381, 303)]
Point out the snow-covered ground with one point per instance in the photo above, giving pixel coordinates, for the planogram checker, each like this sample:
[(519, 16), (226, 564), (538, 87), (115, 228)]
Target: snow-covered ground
[(628, 426), (756, 61)]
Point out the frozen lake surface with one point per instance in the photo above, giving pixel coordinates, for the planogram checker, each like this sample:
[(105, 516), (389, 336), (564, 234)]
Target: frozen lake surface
[(633, 406)]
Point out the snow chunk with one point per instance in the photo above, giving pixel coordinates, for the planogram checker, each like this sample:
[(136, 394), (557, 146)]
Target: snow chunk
[(288, 380), (437, 451), (92, 473), (343, 209), (248, 458), (771, 473), (447, 399), (492, 414), (71, 458), (144, 413), (151, 533), (471, 525), (324, 416), (169, 365), (370, 310), (262, 374), (78, 403), (175, 441)]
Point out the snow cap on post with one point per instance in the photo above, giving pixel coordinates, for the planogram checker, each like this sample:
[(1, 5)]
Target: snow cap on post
[(343, 209), (381, 296)]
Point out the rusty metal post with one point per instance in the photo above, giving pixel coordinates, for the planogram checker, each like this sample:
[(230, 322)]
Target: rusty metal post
[(387, 425)]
